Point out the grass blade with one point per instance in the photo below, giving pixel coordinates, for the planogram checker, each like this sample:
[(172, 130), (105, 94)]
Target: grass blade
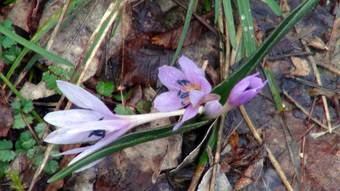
[(229, 19), (30, 45), (186, 26), (273, 88), (274, 6), (249, 42)]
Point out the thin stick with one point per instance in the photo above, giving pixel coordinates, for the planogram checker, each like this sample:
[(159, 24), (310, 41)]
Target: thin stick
[(329, 67), (318, 80), (305, 111), (271, 156)]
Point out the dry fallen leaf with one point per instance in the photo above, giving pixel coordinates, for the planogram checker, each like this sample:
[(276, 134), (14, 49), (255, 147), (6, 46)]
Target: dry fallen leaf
[(35, 91), (6, 119), (301, 67), (251, 174), (317, 43)]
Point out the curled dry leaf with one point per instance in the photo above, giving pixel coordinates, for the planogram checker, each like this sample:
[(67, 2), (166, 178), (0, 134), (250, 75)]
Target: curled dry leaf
[(316, 42), (251, 174), (222, 183), (301, 67), (35, 91)]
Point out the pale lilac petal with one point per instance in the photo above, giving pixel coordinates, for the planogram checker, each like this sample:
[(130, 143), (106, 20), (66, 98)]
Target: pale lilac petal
[(190, 112), (169, 76), (189, 68), (72, 151), (196, 97), (83, 98), (107, 125), (108, 139), (69, 117), (57, 138), (244, 98), (213, 108), (168, 101)]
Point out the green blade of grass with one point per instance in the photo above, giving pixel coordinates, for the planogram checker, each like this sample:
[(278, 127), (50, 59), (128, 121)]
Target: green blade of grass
[(186, 26), (274, 6), (273, 88), (229, 19), (45, 28), (52, 57), (249, 42), (126, 141)]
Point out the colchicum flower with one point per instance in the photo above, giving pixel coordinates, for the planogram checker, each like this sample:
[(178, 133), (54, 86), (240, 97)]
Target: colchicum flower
[(92, 122), (188, 88), (245, 90)]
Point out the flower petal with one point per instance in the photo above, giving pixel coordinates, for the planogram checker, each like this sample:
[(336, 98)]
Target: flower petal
[(69, 117), (168, 101), (72, 151), (111, 137), (203, 82), (169, 76), (83, 98), (213, 108), (189, 68), (190, 112), (107, 125), (196, 97), (57, 138), (244, 98)]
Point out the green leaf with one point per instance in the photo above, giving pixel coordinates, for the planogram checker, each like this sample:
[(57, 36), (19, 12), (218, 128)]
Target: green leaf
[(123, 110), (105, 88), (50, 80), (27, 106), (7, 43), (6, 155), (16, 105), (229, 19), (274, 6), (26, 140), (5, 144), (3, 169), (185, 29), (273, 88), (18, 122), (125, 142), (51, 167), (54, 58), (40, 129)]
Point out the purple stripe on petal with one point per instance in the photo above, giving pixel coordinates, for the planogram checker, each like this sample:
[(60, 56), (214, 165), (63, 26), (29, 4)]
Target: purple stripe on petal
[(108, 139), (169, 76), (190, 112), (168, 101), (83, 98), (69, 117), (196, 97)]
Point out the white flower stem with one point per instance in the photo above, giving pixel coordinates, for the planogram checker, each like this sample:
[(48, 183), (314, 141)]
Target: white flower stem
[(145, 118)]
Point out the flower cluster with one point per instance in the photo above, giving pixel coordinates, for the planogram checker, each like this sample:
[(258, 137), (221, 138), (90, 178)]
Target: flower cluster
[(189, 92)]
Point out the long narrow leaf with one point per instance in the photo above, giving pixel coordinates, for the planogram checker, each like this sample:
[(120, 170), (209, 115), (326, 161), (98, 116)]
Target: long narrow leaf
[(186, 26), (46, 27), (249, 42), (229, 19), (275, 7), (54, 58), (126, 141), (273, 88)]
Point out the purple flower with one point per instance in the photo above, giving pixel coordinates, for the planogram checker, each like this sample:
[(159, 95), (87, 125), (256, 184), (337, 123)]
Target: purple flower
[(92, 122), (188, 88), (245, 90)]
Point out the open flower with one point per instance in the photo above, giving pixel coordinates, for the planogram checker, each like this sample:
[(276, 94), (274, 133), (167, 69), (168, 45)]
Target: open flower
[(245, 90), (92, 122), (188, 88)]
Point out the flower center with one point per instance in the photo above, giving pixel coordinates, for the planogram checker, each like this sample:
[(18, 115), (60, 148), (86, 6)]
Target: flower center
[(186, 87)]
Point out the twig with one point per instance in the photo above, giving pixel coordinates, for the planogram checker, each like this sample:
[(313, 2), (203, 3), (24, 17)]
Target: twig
[(305, 111), (34, 134), (57, 27), (271, 156), (329, 67), (199, 18), (318, 80), (282, 56), (217, 153)]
